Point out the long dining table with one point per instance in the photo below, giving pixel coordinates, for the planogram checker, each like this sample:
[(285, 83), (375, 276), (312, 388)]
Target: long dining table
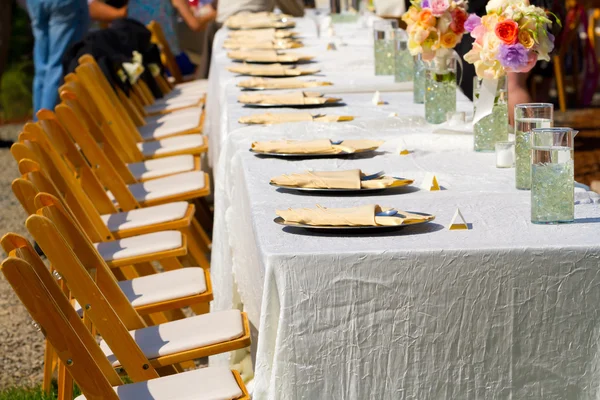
[(504, 309)]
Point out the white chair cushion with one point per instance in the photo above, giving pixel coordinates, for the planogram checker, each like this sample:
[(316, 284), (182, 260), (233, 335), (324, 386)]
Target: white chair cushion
[(211, 383), (184, 334), (166, 286), (139, 245), (172, 104), (170, 127), (194, 112), (171, 145), (145, 216), (167, 186), (198, 84), (162, 166)]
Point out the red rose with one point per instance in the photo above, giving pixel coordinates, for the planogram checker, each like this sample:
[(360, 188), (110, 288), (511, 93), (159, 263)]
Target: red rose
[(507, 31), (459, 17)]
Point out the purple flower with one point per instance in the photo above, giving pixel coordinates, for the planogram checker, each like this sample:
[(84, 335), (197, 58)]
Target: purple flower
[(472, 22), (425, 4), (513, 56)]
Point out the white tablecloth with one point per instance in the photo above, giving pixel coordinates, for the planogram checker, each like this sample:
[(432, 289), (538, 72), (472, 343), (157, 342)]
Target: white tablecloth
[(506, 309)]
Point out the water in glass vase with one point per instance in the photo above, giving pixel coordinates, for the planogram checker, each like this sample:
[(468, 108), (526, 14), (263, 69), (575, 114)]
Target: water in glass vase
[(384, 57), (440, 95), (552, 198), (403, 65), (492, 128), (419, 68), (523, 127)]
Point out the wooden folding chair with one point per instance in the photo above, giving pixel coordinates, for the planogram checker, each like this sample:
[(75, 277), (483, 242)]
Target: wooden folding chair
[(185, 186), (179, 123), (168, 59), (190, 96), (74, 257), (79, 124), (127, 134), (84, 360), (93, 208)]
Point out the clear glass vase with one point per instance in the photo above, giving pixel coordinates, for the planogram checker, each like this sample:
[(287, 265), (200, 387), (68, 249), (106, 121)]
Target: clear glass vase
[(440, 89), (528, 116), (384, 33), (403, 60), (419, 68), (493, 128)]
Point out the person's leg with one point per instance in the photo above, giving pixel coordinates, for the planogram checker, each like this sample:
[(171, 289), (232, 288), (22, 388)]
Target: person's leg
[(517, 92), (67, 23), (39, 25)]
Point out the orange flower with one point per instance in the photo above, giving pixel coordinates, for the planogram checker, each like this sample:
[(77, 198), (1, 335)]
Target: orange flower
[(426, 18), (507, 31), (449, 40)]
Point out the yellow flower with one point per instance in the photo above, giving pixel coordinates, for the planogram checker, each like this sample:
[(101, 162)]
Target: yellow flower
[(413, 47), (449, 40), (525, 39), (490, 21)]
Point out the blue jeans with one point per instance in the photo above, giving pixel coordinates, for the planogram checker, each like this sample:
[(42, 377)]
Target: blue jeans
[(56, 25)]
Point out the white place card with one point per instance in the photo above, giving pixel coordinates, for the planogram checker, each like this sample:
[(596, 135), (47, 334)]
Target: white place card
[(458, 222), (430, 182)]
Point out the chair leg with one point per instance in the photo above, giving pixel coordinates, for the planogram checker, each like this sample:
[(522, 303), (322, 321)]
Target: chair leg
[(125, 273), (49, 367), (65, 383), (202, 234), (203, 215), (196, 248), (560, 85)]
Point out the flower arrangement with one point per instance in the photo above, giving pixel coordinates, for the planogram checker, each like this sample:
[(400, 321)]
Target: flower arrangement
[(512, 37), (435, 27)]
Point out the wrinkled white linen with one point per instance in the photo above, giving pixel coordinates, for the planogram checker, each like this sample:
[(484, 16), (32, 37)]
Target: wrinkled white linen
[(506, 309)]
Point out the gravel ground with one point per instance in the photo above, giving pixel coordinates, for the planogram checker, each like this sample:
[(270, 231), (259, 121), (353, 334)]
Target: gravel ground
[(21, 345)]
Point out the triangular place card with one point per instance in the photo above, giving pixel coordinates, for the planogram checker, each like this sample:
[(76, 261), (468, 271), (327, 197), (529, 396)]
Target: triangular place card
[(458, 222), (377, 99), (430, 182), (402, 150)]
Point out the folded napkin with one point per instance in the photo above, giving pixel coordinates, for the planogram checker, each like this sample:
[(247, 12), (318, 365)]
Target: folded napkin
[(280, 83), (337, 180), (267, 56), (277, 44), (355, 216), (319, 146), (271, 70), (259, 20), (258, 35), (282, 118), (295, 98)]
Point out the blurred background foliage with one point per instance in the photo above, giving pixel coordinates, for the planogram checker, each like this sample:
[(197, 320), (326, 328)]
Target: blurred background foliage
[(17, 78)]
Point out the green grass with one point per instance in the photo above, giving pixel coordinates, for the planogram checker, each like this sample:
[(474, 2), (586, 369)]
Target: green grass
[(34, 393), (25, 394)]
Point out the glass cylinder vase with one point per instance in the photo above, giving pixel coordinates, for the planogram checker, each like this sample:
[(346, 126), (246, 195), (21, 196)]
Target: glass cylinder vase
[(493, 128), (419, 67), (384, 33), (528, 116), (440, 89), (403, 59)]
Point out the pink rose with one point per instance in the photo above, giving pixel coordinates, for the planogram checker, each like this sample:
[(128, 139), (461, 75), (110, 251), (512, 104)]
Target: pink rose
[(438, 7), (478, 33)]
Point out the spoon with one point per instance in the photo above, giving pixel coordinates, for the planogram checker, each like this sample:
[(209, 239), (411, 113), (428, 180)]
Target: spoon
[(373, 176), (388, 213)]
